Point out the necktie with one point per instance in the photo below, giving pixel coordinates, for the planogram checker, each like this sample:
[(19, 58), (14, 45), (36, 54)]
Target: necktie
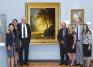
[(24, 31), (77, 32)]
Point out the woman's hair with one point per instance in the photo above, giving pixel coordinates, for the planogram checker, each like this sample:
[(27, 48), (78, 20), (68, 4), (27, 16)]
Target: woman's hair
[(71, 28), (87, 30), (10, 25), (14, 20)]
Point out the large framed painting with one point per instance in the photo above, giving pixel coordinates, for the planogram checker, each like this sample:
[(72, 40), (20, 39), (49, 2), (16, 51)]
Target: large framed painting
[(77, 13), (3, 21), (44, 21)]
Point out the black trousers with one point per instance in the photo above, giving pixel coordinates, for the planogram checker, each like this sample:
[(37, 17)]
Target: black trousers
[(63, 54), (23, 51)]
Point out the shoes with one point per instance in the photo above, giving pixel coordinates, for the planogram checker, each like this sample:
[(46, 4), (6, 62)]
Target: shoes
[(76, 64), (16, 65), (26, 64), (66, 63), (90, 66), (61, 63), (81, 65), (21, 65)]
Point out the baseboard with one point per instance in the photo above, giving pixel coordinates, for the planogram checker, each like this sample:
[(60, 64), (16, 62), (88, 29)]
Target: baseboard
[(44, 60), (48, 61)]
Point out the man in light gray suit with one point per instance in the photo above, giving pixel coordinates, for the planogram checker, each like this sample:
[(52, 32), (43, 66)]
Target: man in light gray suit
[(79, 48)]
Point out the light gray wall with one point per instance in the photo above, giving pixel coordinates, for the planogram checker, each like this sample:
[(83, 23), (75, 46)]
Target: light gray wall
[(3, 56), (16, 9)]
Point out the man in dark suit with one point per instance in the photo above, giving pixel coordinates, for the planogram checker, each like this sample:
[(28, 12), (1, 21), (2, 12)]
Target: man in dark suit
[(62, 39), (24, 36)]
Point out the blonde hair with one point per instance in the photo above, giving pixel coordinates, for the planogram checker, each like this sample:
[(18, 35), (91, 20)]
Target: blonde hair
[(71, 29)]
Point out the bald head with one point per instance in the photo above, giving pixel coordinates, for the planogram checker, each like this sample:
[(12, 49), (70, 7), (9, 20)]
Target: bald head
[(24, 20), (63, 25), (77, 21)]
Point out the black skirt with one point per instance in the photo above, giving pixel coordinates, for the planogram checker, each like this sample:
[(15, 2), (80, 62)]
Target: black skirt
[(71, 50), (86, 51)]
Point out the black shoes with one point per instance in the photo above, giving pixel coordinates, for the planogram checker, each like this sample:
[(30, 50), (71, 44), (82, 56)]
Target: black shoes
[(22, 64), (26, 64), (81, 65), (66, 63), (63, 63), (16, 65), (76, 64)]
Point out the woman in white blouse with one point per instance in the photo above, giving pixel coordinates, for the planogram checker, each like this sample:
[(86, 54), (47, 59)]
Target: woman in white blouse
[(86, 34)]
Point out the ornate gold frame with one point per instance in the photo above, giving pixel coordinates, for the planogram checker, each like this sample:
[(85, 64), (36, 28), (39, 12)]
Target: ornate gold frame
[(57, 19)]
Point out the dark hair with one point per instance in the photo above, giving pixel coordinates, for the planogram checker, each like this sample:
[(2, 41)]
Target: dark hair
[(14, 20), (10, 25), (87, 30)]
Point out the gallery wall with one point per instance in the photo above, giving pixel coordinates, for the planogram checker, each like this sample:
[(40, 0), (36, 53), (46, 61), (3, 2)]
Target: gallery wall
[(16, 9)]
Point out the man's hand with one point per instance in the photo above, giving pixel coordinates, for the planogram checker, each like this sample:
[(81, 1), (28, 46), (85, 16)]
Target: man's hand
[(9, 48), (8, 31), (89, 47), (62, 42)]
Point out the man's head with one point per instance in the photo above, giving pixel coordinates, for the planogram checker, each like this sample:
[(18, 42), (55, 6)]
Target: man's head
[(24, 20), (77, 21), (63, 25)]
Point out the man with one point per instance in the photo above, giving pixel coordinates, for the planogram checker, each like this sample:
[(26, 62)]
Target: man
[(24, 36), (79, 49), (62, 39)]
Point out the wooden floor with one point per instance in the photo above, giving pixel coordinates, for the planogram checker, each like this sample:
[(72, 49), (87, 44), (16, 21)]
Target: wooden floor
[(47, 64)]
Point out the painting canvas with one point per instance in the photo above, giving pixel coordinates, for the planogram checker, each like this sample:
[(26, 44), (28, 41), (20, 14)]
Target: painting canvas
[(1, 30), (77, 13), (44, 21), (2, 27)]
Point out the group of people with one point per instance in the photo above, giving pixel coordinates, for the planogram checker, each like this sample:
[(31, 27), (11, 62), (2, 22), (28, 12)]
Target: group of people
[(17, 42), (75, 44)]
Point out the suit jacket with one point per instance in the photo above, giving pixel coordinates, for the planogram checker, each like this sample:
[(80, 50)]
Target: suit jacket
[(19, 26), (61, 37)]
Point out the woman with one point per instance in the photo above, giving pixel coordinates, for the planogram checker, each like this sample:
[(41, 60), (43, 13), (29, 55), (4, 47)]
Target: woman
[(71, 44), (86, 34), (10, 44), (16, 33)]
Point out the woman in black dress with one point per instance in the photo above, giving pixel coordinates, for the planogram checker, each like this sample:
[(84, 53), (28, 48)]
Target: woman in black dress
[(87, 44), (71, 44), (17, 42)]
